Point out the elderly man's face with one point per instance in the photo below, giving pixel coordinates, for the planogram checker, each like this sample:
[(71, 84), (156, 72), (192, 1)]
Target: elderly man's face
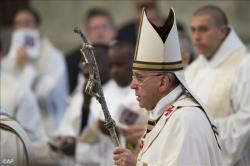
[(100, 30), (146, 86)]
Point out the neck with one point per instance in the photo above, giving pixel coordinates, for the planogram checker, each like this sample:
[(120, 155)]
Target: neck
[(210, 56), (104, 81), (165, 93)]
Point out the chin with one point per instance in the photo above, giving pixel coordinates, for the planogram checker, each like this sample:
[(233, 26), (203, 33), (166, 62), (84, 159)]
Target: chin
[(122, 84), (141, 105), (145, 107)]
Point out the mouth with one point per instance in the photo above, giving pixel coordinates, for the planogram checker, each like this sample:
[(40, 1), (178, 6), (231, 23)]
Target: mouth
[(138, 99), (199, 46)]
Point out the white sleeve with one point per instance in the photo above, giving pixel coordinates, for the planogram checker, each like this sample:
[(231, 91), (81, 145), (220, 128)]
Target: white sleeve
[(26, 75), (53, 75), (235, 129), (28, 115), (51, 87), (70, 124)]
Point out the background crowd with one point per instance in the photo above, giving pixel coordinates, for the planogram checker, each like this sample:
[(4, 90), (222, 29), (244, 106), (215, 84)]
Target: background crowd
[(42, 86)]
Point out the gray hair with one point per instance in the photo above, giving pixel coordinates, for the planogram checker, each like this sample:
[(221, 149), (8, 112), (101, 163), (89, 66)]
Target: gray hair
[(172, 77)]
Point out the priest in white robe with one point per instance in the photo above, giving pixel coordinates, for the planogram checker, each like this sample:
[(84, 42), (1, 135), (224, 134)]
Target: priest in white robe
[(20, 103), (33, 60), (220, 78), (179, 130)]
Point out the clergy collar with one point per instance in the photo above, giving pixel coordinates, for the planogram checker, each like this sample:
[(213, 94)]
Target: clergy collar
[(231, 43), (164, 102)]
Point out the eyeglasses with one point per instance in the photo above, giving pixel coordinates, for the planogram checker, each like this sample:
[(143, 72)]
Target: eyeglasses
[(140, 78)]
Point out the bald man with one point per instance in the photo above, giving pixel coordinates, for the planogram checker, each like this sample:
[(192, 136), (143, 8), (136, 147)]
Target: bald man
[(219, 77)]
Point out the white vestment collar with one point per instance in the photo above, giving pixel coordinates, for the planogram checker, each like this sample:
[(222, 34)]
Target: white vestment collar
[(231, 43), (164, 102)]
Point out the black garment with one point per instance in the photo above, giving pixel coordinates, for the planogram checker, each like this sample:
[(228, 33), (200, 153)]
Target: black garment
[(73, 59), (84, 118), (127, 33)]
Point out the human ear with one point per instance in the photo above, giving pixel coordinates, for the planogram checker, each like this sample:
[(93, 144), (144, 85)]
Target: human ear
[(223, 31), (164, 84)]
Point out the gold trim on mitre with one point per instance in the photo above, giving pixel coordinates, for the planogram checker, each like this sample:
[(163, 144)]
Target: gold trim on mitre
[(147, 66), (157, 48)]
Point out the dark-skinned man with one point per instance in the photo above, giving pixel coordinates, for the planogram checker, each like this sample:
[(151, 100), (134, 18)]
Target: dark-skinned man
[(76, 116), (116, 91)]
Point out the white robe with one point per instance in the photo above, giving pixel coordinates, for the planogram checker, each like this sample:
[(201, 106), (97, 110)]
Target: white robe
[(221, 84), (182, 137), (101, 151), (15, 145), (20, 103), (46, 75), (93, 147), (235, 129)]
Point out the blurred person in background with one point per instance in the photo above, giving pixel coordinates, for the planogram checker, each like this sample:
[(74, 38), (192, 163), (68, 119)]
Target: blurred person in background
[(16, 148), (187, 52), (120, 57), (33, 60), (21, 104), (128, 31), (76, 117), (100, 29), (220, 78), (95, 142)]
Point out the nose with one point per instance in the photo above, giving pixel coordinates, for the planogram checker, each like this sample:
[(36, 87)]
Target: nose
[(114, 70), (133, 84)]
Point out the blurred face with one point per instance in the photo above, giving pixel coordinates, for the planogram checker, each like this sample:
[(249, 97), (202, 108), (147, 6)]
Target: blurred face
[(25, 19), (185, 54), (102, 64), (100, 30), (148, 88), (1, 55), (206, 35), (148, 4), (120, 67)]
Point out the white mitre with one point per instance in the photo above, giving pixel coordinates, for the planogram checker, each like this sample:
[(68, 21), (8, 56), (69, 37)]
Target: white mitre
[(158, 50)]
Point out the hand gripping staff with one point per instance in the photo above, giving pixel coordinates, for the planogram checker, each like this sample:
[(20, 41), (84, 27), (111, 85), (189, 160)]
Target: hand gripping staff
[(93, 86)]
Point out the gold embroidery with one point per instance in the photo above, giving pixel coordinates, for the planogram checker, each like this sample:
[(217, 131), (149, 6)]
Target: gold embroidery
[(7, 119), (162, 67)]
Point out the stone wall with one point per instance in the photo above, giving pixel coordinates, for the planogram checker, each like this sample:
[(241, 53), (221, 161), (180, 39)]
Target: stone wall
[(60, 17)]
